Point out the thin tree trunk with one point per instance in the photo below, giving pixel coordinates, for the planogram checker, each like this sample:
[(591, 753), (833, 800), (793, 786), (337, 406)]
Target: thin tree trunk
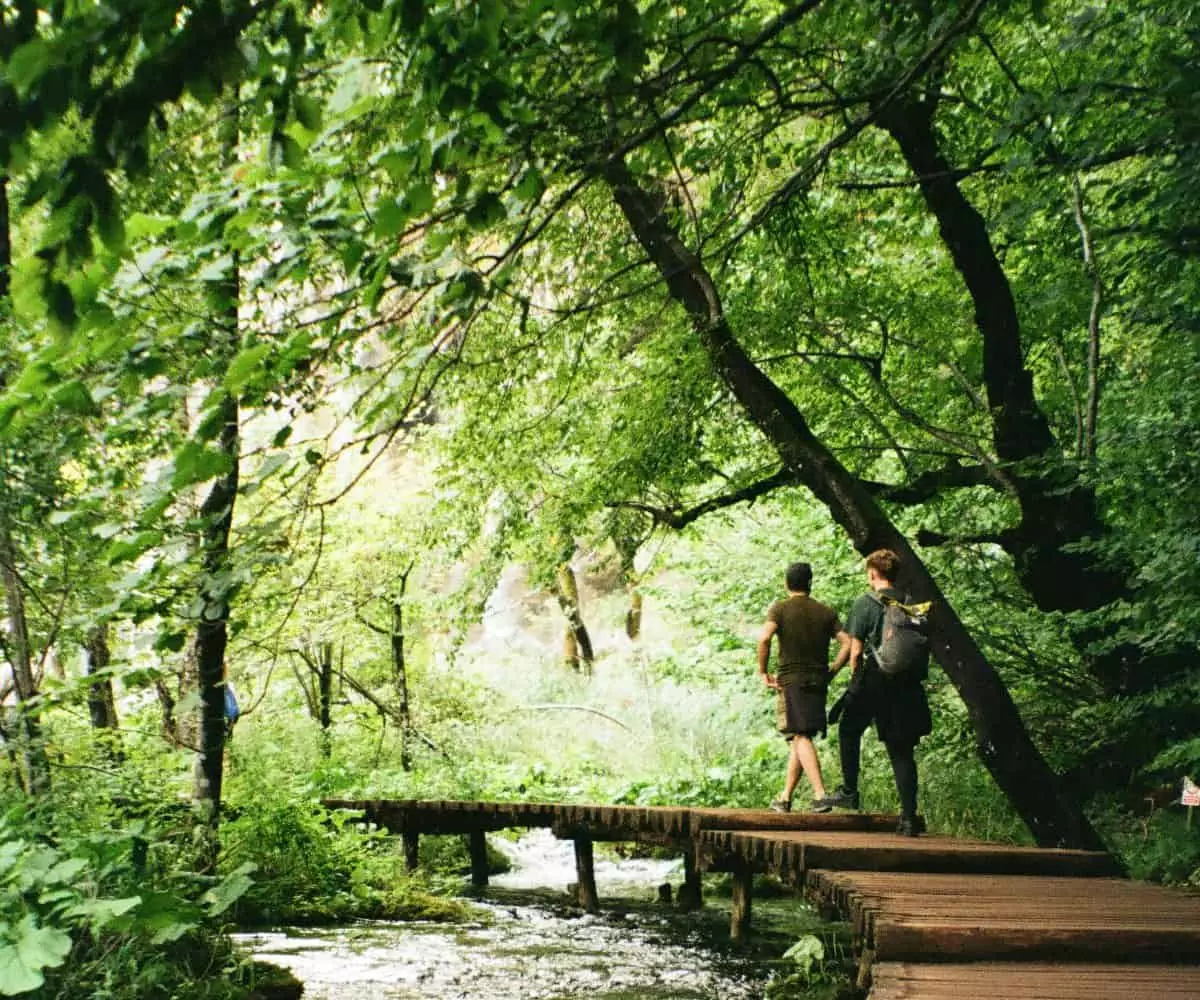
[(32, 755), (1001, 738), (216, 515), (102, 705), (5, 244), (1093, 360), (325, 697), (400, 673), (35, 768), (577, 644)]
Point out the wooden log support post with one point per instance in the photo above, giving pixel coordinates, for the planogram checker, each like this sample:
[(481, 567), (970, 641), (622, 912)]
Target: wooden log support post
[(412, 843), (739, 920), (585, 869), (690, 893), (479, 858)]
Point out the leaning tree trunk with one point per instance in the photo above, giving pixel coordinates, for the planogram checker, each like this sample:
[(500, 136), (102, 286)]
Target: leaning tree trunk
[(216, 518), (1001, 738), (1058, 509), (577, 644)]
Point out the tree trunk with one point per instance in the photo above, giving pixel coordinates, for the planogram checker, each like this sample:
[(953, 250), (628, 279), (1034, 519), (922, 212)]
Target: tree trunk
[(216, 516), (1057, 509), (576, 638), (400, 670), (570, 648), (633, 617), (102, 705), (1001, 738), (212, 635), (325, 697), (5, 243), (35, 768)]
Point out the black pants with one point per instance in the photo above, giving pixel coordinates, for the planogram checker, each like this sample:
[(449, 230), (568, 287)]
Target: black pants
[(854, 724)]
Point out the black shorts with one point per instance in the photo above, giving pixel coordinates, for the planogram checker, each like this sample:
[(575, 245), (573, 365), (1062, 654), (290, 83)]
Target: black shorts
[(800, 710)]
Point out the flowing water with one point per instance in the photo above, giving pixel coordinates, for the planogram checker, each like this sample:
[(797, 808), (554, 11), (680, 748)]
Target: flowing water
[(528, 943)]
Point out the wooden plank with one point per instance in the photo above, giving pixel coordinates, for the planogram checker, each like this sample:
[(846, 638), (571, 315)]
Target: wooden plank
[(883, 852), (1032, 981), (763, 820), (913, 940)]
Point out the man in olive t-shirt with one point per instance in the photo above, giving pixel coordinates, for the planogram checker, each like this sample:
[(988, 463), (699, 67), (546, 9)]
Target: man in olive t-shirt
[(805, 629)]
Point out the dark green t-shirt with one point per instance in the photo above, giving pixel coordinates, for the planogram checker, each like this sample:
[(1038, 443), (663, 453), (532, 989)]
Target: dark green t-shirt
[(804, 628), (865, 621)]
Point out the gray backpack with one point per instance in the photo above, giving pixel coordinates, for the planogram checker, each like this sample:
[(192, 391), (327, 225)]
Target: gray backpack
[(904, 646)]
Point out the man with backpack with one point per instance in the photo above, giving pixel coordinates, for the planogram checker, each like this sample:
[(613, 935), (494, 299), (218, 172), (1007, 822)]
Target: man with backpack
[(889, 659)]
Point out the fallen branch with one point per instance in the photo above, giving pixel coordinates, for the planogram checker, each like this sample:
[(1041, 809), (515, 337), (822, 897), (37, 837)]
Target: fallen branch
[(573, 708)]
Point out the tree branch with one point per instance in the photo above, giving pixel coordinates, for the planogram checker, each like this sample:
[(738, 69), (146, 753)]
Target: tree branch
[(679, 519), (928, 484), (931, 539)]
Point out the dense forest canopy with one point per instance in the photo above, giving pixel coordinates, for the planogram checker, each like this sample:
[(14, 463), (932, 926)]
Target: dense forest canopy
[(321, 320)]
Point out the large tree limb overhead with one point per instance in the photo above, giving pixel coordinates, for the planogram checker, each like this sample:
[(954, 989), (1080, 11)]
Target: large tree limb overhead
[(931, 482), (924, 487)]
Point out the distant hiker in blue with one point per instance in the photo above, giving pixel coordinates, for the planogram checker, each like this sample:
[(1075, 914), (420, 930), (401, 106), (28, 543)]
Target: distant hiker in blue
[(894, 701), (805, 628)]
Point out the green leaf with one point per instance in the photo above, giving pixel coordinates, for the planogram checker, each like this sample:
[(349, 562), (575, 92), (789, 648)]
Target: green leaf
[(247, 364), (170, 642), (31, 950), (132, 548), (73, 397), (196, 464), (100, 912), (231, 888), (217, 270), (65, 872), (419, 198), (308, 112), (27, 64), (140, 225), (390, 218), (805, 952)]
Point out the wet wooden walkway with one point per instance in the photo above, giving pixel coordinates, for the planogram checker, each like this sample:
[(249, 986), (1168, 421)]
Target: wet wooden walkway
[(931, 918)]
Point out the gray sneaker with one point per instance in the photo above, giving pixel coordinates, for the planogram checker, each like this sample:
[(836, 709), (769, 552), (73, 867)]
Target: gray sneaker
[(842, 799), (781, 806), (821, 806)]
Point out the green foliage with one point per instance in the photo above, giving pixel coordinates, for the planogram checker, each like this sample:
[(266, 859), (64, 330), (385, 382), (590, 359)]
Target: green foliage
[(82, 912), (1158, 845), (388, 233)]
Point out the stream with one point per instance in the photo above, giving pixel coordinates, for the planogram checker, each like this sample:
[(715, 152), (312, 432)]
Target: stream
[(529, 943)]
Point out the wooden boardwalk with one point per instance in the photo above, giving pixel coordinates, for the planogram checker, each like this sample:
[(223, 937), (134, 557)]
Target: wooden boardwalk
[(931, 918)]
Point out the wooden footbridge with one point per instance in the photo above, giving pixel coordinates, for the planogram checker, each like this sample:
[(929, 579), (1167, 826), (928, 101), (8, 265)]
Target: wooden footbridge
[(932, 918)]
